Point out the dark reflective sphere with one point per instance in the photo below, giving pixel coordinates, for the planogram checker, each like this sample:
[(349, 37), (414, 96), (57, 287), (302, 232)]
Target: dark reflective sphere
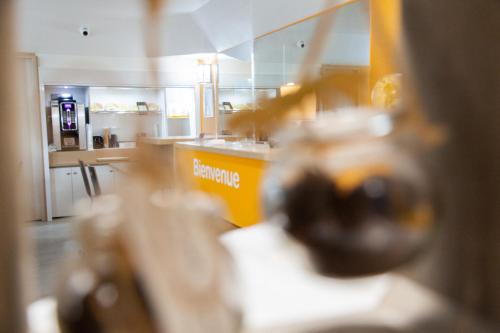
[(377, 225)]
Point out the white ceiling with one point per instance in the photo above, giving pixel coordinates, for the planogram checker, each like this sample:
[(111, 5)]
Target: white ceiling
[(229, 23), (117, 26), (105, 8)]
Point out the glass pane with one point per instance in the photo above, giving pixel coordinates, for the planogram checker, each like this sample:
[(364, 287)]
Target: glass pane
[(181, 111), (236, 85), (280, 58)]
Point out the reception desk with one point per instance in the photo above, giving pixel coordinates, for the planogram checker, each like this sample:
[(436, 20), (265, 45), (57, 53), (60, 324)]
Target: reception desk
[(232, 171)]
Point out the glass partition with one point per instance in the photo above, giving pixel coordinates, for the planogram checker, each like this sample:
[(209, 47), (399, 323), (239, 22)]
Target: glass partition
[(354, 62), (236, 86), (129, 112), (280, 57)]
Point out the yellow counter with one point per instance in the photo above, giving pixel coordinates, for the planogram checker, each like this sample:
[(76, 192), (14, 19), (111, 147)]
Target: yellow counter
[(232, 171)]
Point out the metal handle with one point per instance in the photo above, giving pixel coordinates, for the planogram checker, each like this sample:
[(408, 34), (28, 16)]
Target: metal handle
[(68, 174)]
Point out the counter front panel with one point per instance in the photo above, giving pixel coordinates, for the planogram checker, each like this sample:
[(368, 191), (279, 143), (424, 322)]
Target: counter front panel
[(236, 180)]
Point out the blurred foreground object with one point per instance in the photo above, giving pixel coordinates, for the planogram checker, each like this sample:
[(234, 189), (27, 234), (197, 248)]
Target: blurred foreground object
[(387, 92), (453, 54), (11, 256), (151, 265), (282, 294), (346, 188), (103, 286)]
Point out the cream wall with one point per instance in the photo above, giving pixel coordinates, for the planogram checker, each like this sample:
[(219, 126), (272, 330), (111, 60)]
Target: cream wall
[(111, 71)]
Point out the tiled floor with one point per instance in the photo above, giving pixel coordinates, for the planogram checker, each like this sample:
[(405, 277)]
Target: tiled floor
[(51, 243)]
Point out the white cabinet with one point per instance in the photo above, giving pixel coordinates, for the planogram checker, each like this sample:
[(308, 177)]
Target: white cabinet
[(121, 172), (112, 177), (106, 178), (62, 191), (79, 191), (68, 188)]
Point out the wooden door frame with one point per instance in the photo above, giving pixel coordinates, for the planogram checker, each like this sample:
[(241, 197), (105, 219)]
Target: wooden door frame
[(39, 105)]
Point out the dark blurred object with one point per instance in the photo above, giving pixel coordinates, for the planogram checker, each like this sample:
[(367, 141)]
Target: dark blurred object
[(113, 141), (455, 66), (101, 292), (95, 181), (356, 233), (98, 142), (85, 178), (347, 190), (142, 106)]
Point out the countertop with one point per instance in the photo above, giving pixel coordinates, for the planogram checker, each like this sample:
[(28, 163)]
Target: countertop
[(169, 140), (238, 149), (61, 159)]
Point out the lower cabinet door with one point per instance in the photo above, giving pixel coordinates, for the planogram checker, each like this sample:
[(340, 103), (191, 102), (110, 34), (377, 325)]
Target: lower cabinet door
[(106, 178), (121, 172), (62, 192)]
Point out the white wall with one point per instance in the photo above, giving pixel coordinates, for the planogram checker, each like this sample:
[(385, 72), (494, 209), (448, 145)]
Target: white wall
[(125, 126), (110, 71)]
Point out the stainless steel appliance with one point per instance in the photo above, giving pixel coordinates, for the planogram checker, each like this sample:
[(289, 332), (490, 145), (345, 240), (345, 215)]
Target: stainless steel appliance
[(68, 123)]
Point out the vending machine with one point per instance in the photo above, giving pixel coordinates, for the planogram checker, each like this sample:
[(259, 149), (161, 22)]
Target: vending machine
[(68, 123)]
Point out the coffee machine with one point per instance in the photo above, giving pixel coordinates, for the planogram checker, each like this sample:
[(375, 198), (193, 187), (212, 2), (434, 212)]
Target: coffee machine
[(68, 123)]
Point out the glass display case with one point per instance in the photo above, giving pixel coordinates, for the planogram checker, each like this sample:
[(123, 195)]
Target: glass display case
[(128, 112), (125, 99)]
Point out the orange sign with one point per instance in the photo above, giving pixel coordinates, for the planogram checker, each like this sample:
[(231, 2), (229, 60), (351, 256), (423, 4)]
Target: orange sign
[(235, 180)]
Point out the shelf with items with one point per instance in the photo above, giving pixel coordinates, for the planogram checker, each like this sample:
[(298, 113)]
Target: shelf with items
[(137, 107), (223, 111), (134, 112), (117, 109), (125, 99), (243, 99), (166, 110)]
